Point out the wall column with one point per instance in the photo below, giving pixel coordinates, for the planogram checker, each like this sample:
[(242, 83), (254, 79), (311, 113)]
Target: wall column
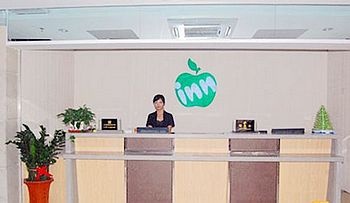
[(9, 161)]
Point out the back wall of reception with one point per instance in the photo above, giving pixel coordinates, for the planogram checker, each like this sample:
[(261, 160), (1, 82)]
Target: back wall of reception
[(275, 88), (273, 62)]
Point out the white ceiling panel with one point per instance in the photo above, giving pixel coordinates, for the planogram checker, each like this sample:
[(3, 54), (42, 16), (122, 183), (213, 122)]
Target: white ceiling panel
[(152, 22)]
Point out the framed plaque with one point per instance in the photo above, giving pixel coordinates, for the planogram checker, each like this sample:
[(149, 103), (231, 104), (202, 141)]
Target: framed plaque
[(244, 126), (109, 124)]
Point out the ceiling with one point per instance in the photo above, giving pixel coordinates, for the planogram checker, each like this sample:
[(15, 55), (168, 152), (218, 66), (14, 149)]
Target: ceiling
[(155, 22), (21, 4)]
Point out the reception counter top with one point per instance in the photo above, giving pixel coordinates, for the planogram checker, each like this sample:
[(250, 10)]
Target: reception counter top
[(184, 135), (239, 156)]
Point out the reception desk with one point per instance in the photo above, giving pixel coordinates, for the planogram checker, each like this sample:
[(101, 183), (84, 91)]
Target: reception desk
[(200, 167)]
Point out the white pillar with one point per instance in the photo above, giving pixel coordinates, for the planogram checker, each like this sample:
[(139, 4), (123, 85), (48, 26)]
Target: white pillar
[(10, 186)]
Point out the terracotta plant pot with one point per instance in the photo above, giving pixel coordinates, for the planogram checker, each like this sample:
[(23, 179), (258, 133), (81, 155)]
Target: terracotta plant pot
[(38, 190), (79, 131), (74, 131)]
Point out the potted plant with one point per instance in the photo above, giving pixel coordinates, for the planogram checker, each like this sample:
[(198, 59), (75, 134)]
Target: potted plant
[(78, 120), (38, 153)]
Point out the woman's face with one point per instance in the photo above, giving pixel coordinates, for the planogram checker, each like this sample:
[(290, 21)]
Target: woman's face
[(159, 104)]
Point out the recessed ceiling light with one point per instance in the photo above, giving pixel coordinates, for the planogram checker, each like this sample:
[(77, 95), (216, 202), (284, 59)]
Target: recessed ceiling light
[(327, 29), (63, 30), (30, 11)]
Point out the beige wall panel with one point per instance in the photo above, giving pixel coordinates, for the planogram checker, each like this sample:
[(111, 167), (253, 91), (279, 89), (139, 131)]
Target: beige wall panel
[(339, 106), (201, 182), (47, 89), (303, 182), (25, 194), (100, 181), (58, 192), (272, 87)]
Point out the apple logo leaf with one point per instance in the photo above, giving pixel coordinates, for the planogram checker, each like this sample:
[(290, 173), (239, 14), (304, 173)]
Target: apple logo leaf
[(193, 66)]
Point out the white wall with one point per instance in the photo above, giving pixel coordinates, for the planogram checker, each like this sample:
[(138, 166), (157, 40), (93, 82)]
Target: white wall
[(13, 174), (3, 110), (275, 88), (76, 3), (339, 103), (47, 87), (9, 161)]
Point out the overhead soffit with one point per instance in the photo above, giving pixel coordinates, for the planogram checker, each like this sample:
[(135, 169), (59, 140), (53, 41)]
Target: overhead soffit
[(231, 22)]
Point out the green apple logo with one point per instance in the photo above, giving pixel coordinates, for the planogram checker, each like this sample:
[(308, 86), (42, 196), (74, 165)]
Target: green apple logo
[(195, 90)]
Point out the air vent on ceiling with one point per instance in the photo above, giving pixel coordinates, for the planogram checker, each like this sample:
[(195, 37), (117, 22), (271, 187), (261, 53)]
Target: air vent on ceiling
[(113, 34), (202, 27), (279, 33), (35, 11)]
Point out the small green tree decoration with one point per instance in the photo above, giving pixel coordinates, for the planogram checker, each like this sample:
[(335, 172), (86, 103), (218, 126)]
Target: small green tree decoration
[(322, 123)]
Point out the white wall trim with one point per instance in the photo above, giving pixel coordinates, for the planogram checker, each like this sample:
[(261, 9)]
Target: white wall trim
[(21, 4), (170, 44)]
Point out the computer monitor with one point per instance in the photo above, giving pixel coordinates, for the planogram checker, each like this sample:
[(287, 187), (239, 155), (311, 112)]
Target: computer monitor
[(148, 130)]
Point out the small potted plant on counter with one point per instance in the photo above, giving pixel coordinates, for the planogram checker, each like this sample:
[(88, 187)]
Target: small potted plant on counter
[(38, 153), (78, 120)]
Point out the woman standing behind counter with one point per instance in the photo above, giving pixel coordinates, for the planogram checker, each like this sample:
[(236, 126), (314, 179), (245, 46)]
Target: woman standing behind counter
[(160, 118)]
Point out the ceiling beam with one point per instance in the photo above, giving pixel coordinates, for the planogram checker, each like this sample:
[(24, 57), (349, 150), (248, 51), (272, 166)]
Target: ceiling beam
[(22, 4), (171, 44)]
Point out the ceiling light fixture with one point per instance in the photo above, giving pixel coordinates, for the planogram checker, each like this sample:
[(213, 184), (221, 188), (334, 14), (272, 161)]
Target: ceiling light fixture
[(63, 30), (34, 11), (327, 29)]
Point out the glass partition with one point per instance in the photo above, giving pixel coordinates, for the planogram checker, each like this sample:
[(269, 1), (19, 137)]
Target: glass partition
[(2, 17), (184, 22)]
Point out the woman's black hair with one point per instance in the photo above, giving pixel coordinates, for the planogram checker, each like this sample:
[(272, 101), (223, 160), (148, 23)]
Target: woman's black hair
[(157, 97)]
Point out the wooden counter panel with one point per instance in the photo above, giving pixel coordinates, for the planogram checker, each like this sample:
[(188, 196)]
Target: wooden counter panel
[(99, 144), (100, 180), (201, 145), (201, 182), (304, 182), (304, 146)]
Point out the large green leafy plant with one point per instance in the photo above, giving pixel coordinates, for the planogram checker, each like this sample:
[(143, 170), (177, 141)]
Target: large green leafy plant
[(38, 153), (77, 119)]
